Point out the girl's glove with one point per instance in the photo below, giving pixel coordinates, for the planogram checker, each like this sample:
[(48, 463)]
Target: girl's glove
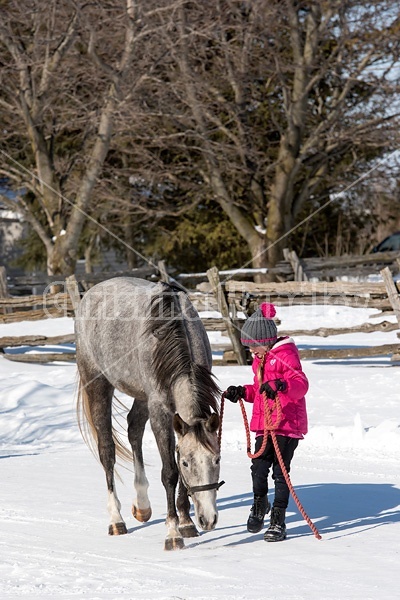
[(234, 393), (280, 386)]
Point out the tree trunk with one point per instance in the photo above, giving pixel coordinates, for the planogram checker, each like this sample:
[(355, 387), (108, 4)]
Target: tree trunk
[(279, 220), (61, 261), (281, 210)]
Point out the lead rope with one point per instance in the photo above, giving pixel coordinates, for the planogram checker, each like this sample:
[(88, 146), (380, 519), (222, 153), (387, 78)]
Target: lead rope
[(269, 429)]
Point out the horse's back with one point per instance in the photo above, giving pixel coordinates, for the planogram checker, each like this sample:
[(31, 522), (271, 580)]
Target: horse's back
[(113, 335), (109, 325), (119, 284), (114, 299)]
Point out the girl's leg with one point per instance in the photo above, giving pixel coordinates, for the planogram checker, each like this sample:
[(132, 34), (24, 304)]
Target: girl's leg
[(287, 446), (260, 467), (259, 470)]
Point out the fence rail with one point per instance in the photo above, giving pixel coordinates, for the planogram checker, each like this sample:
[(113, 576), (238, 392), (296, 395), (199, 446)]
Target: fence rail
[(331, 267), (365, 295), (229, 298), (35, 307)]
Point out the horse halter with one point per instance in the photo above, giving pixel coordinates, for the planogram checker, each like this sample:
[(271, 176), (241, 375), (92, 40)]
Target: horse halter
[(196, 488)]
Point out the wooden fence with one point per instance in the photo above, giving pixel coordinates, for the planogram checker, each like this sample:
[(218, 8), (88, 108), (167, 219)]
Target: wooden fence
[(292, 268), (333, 267), (230, 298)]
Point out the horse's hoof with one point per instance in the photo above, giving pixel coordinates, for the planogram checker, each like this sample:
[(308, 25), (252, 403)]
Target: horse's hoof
[(117, 529), (141, 515), (174, 544), (188, 531)]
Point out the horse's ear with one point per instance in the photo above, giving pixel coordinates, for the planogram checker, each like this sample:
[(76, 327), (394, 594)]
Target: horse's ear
[(180, 427), (212, 423)]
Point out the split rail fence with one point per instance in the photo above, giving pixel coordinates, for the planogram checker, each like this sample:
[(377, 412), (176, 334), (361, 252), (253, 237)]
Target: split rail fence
[(233, 299)]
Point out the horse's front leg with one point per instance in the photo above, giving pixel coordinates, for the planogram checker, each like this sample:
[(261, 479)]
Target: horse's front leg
[(186, 525), (160, 420)]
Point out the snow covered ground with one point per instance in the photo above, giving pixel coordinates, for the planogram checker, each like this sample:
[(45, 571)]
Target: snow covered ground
[(54, 522)]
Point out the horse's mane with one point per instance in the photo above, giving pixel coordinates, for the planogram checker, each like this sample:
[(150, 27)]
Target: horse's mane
[(172, 358)]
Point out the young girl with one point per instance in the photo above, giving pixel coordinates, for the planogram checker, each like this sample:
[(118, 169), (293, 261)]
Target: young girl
[(277, 370)]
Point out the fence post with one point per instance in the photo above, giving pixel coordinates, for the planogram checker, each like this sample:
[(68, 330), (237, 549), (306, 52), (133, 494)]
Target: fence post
[(394, 299), (298, 270), (163, 271), (73, 291), (392, 292), (233, 330), (4, 289)]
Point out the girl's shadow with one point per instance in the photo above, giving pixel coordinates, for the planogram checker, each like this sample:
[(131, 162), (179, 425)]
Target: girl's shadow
[(332, 507)]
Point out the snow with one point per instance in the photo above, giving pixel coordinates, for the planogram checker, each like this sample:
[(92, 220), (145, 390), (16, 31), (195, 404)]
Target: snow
[(346, 472)]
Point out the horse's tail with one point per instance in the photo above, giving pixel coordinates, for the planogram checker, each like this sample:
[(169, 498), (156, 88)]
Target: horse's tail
[(88, 430)]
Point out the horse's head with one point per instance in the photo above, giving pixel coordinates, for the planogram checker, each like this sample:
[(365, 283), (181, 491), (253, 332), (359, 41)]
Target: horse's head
[(198, 462)]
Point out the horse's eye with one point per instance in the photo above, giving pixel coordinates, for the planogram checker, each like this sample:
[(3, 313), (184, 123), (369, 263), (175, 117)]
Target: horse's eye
[(185, 464), (217, 461)]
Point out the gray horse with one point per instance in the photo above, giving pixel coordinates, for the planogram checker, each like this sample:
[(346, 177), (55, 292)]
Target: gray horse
[(147, 340)]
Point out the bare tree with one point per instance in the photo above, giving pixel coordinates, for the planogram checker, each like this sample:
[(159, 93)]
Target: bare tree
[(263, 106), (67, 70), (338, 102), (273, 104)]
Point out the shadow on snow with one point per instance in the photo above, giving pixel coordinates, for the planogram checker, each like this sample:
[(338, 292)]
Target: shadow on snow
[(334, 508)]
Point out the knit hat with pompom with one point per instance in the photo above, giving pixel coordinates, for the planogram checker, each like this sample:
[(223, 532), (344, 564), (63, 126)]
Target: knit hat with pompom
[(260, 329)]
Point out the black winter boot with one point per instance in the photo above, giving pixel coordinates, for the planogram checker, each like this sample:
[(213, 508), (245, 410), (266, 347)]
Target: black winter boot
[(260, 508), (276, 532)]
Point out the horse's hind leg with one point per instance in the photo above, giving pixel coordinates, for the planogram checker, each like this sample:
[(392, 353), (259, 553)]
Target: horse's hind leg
[(98, 394), (137, 419)]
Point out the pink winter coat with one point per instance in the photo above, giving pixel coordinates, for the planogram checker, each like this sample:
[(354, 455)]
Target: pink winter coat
[(282, 362)]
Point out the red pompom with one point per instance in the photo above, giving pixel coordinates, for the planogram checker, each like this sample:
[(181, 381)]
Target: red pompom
[(268, 310)]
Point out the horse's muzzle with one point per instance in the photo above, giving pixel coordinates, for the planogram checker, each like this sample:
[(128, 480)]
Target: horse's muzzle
[(208, 525)]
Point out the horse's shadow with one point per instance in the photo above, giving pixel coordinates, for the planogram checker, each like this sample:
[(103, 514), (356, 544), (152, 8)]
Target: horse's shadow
[(334, 508), (143, 526)]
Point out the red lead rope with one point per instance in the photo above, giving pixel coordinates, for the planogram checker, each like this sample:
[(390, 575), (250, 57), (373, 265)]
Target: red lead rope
[(269, 429)]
